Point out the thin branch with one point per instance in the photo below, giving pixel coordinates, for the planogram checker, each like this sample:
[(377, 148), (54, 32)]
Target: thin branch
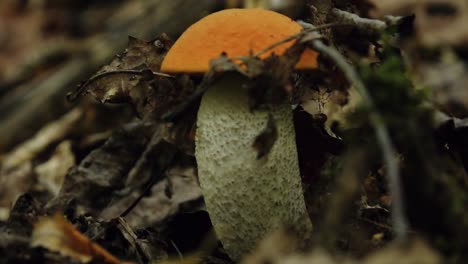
[(400, 224), (296, 36), (74, 95), (208, 78), (363, 24), (174, 113)]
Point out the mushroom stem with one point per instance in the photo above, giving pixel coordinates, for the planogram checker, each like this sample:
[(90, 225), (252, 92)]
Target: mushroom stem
[(246, 197)]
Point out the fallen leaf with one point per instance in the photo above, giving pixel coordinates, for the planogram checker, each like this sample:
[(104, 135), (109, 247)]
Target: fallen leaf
[(266, 139), (133, 78), (92, 183), (49, 134), (22, 217), (51, 174), (140, 54), (168, 197), (58, 235), (12, 185)]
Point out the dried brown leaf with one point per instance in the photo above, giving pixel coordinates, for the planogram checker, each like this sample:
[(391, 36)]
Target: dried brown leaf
[(133, 78), (92, 183), (49, 134), (267, 138), (58, 235), (140, 55), (12, 185), (51, 174), (166, 199), (272, 84)]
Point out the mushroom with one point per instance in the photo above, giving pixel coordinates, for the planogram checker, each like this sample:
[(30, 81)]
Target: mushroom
[(245, 197)]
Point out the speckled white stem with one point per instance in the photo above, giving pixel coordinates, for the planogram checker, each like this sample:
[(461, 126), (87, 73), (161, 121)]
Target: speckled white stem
[(246, 198)]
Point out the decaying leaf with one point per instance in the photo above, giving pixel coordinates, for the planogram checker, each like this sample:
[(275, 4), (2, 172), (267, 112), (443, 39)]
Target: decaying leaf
[(12, 185), (58, 235), (142, 181), (133, 78), (23, 216), (267, 138), (182, 133), (140, 54), (145, 248), (51, 174), (167, 198), (53, 132), (103, 171), (272, 84), (273, 78)]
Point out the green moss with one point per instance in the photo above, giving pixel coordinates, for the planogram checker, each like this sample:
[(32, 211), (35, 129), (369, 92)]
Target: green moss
[(436, 204)]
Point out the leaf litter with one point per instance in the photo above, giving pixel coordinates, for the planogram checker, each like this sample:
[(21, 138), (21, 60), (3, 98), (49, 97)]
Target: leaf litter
[(141, 182)]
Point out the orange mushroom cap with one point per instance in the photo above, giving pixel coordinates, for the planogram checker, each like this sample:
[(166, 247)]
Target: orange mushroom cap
[(237, 32)]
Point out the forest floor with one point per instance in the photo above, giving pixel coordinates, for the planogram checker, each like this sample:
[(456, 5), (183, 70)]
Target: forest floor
[(97, 145)]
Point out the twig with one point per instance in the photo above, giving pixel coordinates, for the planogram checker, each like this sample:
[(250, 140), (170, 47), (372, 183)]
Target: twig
[(182, 107), (363, 24), (366, 25), (174, 245), (384, 226), (74, 95), (208, 78), (400, 224), (296, 36), (132, 238), (136, 171)]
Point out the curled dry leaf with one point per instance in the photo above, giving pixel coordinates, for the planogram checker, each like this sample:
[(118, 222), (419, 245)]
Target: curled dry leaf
[(57, 235), (133, 78), (140, 54)]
